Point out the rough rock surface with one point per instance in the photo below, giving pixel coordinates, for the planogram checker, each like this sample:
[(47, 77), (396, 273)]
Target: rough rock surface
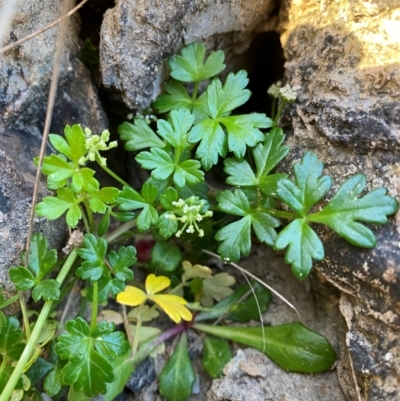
[(25, 74), (251, 376), (137, 36), (344, 60), (16, 187)]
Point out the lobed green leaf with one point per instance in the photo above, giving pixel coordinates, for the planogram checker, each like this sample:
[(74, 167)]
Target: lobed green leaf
[(190, 66)]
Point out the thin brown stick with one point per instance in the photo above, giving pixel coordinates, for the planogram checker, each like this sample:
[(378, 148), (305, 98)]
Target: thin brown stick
[(46, 129), (40, 31), (353, 375)]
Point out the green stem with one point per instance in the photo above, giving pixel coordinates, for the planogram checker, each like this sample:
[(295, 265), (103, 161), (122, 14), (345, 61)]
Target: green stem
[(280, 213), (110, 172), (10, 300), (95, 306), (41, 321), (120, 230), (25, 317), (136, 338), (90, 216), (278, 114), (85, 220), (4, 362)]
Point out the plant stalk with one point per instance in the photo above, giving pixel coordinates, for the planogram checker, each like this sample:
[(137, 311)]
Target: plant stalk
[(110, 172), (41, 321)]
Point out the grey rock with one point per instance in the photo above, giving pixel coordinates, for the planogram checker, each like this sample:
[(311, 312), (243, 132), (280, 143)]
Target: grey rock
[(16, 187), (251, 376), (138, 36), (25, 74), (348, 113)]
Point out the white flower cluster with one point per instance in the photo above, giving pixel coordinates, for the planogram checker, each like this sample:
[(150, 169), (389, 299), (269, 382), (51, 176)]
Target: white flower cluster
[(286, 93), (274, 89), (190, 213), (95, 143)]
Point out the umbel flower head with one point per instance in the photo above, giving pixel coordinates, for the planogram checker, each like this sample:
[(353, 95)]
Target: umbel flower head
[(172, 305), (95, 143), (189, 212)]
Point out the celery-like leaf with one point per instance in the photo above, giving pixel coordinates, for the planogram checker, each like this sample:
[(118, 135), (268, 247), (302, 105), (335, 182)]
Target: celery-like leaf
[(121, 261), (344, 212), (89, 354), (129, 199), (177, 377), (241, 131), (93, 252), (216, 354), (139, 135), (52, 207), (303, 246), (266, 156), (99, 199), (176, 132), (236, 236), (40, 262), (190, 66), (176, 97)]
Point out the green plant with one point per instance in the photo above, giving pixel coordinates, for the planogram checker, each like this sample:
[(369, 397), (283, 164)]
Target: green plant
[(92, 358)]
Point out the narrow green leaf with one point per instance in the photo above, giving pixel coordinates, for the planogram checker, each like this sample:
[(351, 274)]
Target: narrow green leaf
[(60, 144), (344, 212), (235, 308), (303, 246), (104, 224), (139, 135), (292, 346), (216, 354), (76, 140), (177, 377)]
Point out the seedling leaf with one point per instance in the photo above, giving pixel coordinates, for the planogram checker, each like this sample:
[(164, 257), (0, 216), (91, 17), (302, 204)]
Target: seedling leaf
[(216, 354), (292, 346), (177, 377)]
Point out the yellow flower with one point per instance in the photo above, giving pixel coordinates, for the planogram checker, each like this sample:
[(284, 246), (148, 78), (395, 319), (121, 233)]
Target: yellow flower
[(173, 305)]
